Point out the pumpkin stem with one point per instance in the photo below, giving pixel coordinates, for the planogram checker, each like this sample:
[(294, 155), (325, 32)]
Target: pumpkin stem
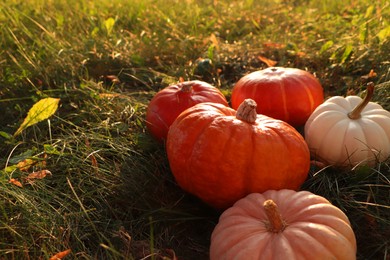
[(186, 86), (356, 112), (276, 224), (247, 111)]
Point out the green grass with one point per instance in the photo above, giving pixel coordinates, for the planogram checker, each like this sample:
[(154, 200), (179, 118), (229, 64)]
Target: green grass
[(111, 194)]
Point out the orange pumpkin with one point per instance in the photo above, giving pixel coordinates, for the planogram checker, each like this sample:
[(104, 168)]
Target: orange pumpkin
[(169, 102), (283, 224), (288, 94), (220, 155)]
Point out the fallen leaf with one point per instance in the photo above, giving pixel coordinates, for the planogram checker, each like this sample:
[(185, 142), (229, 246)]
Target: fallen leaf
[(38, 174), (114, 79), (40, 111), (269, 62), (273, 45), (371, 74), (16, 182), (25, 164), (61, 255)]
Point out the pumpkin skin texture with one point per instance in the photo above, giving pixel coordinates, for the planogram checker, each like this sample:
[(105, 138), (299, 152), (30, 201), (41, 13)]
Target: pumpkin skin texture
[(284, 224), (169, 102), (218, 156), (288, 94), (336, 139)]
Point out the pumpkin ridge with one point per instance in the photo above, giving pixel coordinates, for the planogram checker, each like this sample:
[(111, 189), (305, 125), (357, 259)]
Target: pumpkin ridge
[(298, 200), (256, 136), (304, 239), (279, 248), (308, 93), (186, 177), (242, 244), (233, 131), (191, 157), (316, 210), (360, 138), (333, 237), (380, 127), (324, 144), (369, 140), (251, 159), (284, 99), (159, 118), (289, 149)]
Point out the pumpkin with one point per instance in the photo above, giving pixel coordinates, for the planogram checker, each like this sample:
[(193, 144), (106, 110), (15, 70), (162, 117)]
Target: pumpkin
[(220, 155), (169, 102), (283, 224), (288, 94), (349, 131)]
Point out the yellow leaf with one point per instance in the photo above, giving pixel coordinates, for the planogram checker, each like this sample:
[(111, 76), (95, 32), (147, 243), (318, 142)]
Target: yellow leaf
[(109, 25), (40, 111)]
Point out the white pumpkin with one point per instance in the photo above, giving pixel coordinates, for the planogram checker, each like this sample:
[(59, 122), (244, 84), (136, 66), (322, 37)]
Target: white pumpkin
[(349, 131)]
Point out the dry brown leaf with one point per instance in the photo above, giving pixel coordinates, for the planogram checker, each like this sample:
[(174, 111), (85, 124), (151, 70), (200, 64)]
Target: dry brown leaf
[(371, 74), (114, 79), (61, 255), (273, 45), (16, 182), (38, 174), (269, 62)]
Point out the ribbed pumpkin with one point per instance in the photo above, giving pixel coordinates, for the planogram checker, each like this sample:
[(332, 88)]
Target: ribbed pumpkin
[(220, 155), (288, 94), (281, 225), (169, 102), (349, 131)]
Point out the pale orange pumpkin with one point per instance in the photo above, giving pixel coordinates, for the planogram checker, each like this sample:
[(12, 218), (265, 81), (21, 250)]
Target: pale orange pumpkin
[(283, 225)]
